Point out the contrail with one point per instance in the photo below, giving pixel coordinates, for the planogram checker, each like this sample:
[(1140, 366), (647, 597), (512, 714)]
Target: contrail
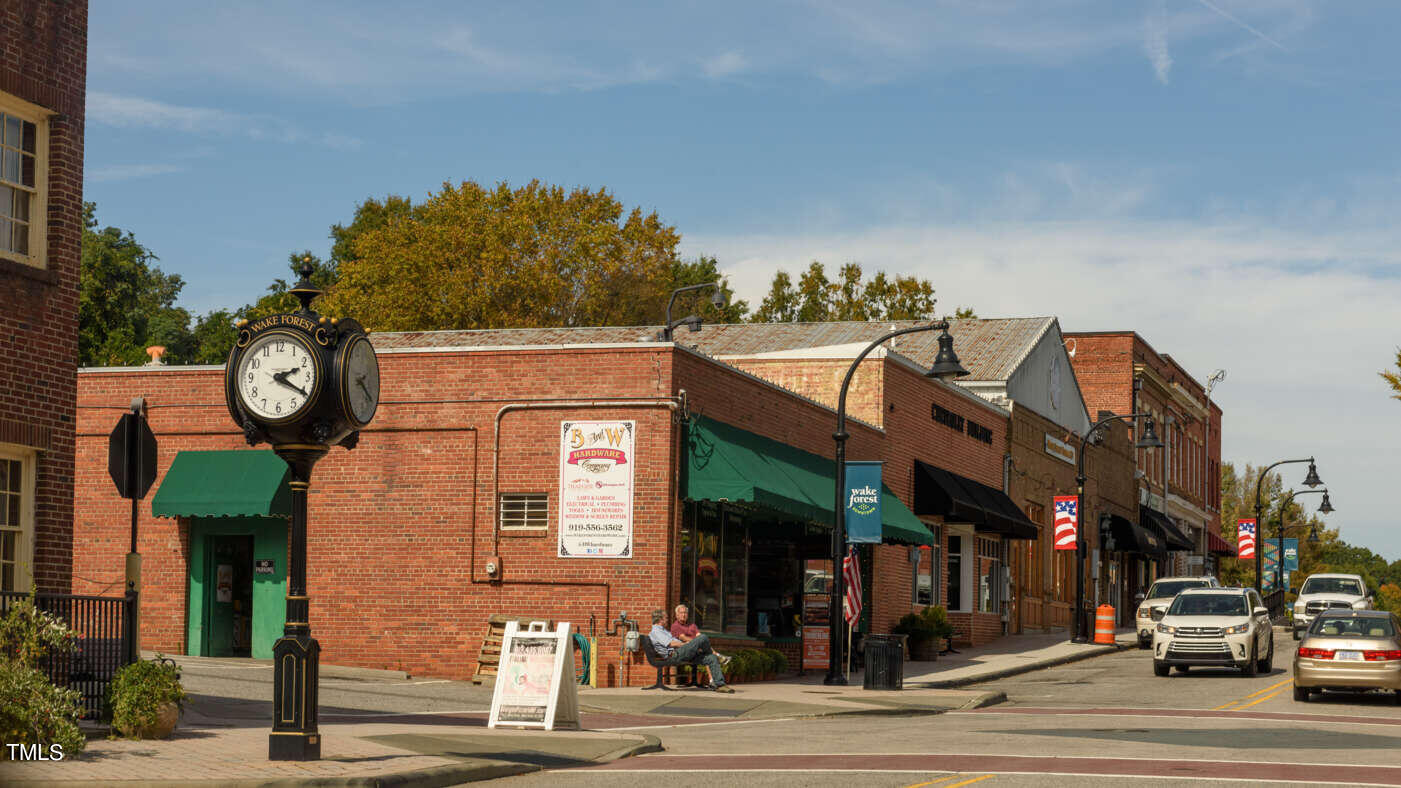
[(1257, 33)]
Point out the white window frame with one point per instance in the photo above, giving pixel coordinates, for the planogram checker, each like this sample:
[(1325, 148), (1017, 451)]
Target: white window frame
[(543, 523), (24, 547), (968, 557), (39, 204)]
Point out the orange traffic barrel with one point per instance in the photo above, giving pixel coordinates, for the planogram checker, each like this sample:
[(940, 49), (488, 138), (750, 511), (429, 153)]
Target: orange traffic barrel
[(1104, 624)]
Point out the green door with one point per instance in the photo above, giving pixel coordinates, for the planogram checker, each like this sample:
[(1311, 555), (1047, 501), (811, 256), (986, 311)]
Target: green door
[(237, 586)]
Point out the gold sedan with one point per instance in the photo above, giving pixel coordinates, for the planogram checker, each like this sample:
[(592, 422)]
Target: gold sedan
[(1349, 650)]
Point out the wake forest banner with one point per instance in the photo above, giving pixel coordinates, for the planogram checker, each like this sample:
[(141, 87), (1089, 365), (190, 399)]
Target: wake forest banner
[(595, 488)]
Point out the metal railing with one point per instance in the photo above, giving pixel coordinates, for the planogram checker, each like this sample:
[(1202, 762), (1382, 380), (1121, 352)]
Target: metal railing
[(1274, 602), (103, 626)]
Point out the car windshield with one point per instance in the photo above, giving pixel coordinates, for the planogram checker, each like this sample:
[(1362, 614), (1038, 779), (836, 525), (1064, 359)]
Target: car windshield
[(1208, 605), (1331, 585), (1167, 588), (1353, 627)]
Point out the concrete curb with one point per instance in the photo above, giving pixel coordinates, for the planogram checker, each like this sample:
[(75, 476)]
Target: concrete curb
[(1027, 668), (435, 777)]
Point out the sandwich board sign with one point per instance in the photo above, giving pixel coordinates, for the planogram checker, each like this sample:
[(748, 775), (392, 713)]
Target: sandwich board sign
[(535, 685)]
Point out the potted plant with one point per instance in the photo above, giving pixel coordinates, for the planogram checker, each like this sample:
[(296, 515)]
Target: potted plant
[(919, 636), (145, 698), (938, 619)]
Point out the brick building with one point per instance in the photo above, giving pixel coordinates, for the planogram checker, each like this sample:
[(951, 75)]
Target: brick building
[(1180, 483), (43, 62)]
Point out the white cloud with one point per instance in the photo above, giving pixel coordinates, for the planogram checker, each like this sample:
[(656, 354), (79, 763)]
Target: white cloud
[(135, 112), (1155, 43), (1302, 328), (122, 172), (725, 65)]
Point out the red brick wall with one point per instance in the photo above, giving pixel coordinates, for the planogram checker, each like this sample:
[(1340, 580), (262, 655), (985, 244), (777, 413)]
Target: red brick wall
[(43, 60)]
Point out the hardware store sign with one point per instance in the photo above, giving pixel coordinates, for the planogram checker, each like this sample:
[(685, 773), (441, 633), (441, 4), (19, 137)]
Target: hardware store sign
[(595, 488)]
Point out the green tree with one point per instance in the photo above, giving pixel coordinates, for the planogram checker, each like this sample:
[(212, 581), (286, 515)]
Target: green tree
[(278, 298), (816, 298), (503, 257), (698, 271), (1393, 379), (1238, 502)]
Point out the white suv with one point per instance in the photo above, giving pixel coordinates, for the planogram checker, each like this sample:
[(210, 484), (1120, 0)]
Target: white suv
[(1326, 592), (1215, 627), (1153, 605)]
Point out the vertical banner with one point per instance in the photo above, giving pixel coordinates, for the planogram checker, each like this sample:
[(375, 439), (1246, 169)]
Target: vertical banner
[(1245, 538), (1066, 508), (595, 489), (863, 515)]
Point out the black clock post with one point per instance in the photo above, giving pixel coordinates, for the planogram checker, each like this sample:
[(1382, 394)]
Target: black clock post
[(319, 382)]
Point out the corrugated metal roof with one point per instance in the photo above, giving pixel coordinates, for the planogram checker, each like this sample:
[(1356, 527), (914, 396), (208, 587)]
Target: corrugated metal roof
[(990, 349)]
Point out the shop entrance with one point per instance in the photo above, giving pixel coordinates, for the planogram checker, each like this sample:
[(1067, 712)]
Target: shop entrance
[(237, 585), (231, 604)]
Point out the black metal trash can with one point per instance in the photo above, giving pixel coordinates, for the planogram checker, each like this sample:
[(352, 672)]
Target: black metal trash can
[(885, 662)]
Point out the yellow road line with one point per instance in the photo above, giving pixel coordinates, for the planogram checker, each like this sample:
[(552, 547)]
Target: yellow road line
[(970, 782), (1251, 695), (953, 776), (1259, 700)]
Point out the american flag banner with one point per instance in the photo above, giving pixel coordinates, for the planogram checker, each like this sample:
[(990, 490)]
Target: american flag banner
[(1067, 520), (851, 575), (1245, 538)]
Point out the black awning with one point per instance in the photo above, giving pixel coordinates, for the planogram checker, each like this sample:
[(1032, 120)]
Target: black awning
[(1003, 516), (959, 499), (941, 493), (1130, 537), (1172, 536)]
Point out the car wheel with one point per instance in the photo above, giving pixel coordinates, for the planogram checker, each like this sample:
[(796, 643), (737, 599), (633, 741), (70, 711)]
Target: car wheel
[(1396, 697), (1182, 668), (1252, 665), (1160, 668), (1145, 644), (1268, 663), (1301, 694)]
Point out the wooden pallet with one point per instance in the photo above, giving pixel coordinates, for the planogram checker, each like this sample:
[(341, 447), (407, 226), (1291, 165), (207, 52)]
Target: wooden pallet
[(490, 655)]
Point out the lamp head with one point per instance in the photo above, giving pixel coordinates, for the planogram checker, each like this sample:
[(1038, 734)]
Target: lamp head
[(1149, 439), (693, 323), (946, 364), (1327, 506), (717, 296), (1313, 535), (1312, 479)]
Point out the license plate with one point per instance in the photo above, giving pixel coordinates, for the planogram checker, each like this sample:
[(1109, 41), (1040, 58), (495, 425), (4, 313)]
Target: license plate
[(1349, 655)]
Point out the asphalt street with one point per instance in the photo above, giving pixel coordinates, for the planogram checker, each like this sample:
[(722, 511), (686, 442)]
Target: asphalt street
[(1103, 721)]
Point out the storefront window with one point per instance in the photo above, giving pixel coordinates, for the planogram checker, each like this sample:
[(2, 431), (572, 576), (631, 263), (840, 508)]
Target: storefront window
[(955, 572), (924, 575), (989, 587), (707, 546), (735, 575)]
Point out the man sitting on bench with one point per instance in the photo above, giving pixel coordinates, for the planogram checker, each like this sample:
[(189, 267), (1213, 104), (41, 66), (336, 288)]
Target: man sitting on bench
[(697, 649)]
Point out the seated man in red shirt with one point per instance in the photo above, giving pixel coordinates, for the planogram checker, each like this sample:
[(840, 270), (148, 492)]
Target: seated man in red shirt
[(684, 630)]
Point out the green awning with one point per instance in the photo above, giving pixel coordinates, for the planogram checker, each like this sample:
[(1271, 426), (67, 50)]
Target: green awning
[(726, 463), (224, 484)]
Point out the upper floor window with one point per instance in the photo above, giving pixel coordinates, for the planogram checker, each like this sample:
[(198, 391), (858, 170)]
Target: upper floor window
[(22, 183), (16, 518)]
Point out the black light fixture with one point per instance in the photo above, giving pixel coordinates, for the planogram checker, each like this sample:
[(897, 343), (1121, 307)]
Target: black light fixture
[(946, 364), (1327, 506), (1313, 535), (1150, 439), (1312, 479)]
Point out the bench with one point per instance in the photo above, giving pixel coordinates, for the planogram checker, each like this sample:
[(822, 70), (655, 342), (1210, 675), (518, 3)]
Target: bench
[(659, 662)]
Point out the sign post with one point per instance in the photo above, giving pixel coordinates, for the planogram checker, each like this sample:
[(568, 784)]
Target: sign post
[(535, 685), (131, 462)]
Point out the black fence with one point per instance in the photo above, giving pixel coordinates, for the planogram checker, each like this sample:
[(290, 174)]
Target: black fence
[(104, 643), (1274, 602)]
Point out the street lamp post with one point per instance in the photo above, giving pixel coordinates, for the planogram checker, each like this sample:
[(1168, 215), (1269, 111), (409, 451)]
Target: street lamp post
[(945, 366), (1149, 440), (1216, 377), (1310, 481), (691, 321), (1325, 507)]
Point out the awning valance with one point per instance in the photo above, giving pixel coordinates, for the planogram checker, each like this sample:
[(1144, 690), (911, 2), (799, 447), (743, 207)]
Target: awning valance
[(726, 463), (1218, 546), (959, 499), (224, 484), (1173, 537), (1130, 537)]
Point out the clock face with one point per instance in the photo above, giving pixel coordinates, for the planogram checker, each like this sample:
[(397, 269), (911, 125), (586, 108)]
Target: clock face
[(277, 377), (361, 383)]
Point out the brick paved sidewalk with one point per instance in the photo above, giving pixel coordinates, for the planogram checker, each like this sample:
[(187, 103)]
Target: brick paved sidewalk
[(351, 755)]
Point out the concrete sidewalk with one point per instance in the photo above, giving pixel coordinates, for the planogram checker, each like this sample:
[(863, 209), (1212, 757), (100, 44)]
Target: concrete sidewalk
[(1009, 656)]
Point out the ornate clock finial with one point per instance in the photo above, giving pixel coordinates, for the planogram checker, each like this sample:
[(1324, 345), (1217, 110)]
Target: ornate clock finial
[(305, 291)]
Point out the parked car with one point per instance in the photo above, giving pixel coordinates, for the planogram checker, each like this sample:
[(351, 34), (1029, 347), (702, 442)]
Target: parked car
[(1349, 650), (1329, 592), (1214, 627), (1152, 605)]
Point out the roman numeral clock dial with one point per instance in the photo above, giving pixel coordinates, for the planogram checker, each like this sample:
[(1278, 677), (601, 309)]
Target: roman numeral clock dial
[(277, 377)]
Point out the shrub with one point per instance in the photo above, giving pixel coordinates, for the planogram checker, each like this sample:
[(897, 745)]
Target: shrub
[(138, 692), (780, 662), (33, 711), (28, 633), (938, 619), (915, 626)]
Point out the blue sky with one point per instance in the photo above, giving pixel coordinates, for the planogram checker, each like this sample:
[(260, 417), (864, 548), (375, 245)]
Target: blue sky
[(1220, 175)]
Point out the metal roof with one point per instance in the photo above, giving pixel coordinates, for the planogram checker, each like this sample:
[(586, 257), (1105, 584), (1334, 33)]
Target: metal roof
[(990, 349)]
